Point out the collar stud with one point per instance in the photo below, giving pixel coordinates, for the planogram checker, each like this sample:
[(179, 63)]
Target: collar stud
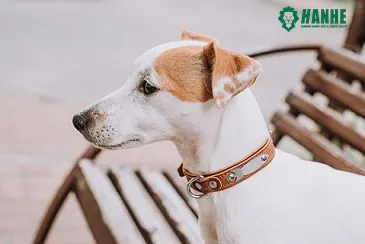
[(198, 186), (264, 157), (231, 177), (213, 184)]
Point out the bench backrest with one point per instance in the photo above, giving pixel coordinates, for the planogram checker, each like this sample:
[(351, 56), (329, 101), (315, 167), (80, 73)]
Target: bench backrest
[(335, 107), (333, 103)]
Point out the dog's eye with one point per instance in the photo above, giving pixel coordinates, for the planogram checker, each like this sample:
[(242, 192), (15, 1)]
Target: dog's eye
[(147, 88)]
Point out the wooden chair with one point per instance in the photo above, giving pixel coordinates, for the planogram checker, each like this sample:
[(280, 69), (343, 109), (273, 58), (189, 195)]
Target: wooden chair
[(123, 205)]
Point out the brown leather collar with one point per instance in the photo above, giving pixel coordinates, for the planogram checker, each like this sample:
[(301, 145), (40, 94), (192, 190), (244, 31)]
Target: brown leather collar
[(231, 175)]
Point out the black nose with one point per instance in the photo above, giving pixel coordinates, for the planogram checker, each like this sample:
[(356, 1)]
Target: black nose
[(79, 122)]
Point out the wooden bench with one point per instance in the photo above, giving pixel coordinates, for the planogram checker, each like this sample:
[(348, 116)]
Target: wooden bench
[(135, 206), (341, 97), (123, 205)]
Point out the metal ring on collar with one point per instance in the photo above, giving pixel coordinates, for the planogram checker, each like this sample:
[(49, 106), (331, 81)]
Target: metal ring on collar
[(188, 187)]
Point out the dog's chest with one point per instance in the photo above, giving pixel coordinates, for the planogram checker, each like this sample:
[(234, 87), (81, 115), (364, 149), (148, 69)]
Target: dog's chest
[(289, 202)]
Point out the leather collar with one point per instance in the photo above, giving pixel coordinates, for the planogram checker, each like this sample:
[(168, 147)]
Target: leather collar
[(231, 175)]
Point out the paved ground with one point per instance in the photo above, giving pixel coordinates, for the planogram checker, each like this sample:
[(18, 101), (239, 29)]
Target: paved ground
[(57, 56)]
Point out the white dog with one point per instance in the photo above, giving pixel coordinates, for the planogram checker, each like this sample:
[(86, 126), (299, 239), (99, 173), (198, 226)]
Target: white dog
[(195, 93)]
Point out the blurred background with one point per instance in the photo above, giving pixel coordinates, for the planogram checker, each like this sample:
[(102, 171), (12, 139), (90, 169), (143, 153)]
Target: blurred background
[(57, 56)]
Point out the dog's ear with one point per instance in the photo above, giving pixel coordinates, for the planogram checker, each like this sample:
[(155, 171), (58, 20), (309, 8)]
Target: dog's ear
[(185, 35), (231, 72)]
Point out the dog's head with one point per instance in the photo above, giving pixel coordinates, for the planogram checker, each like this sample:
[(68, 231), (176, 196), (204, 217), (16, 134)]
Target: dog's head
[(173, 85)]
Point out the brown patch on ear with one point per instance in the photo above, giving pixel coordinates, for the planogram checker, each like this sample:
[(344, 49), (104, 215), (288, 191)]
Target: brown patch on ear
[(198, 74), (185, 35), (231, 72), (229, 88), (184, 72)]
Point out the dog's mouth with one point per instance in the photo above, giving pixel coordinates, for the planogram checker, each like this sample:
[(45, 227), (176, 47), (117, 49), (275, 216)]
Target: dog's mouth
[(121, 144)]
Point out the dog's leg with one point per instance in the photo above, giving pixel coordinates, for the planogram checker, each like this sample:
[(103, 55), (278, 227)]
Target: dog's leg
[(208, 230)]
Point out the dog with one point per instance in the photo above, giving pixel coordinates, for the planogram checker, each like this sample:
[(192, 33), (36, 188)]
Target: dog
[(195, 93)]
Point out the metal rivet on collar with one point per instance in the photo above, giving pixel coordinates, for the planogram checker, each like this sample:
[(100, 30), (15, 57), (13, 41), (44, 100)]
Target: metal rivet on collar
[(198, 185), (231, 177), (213, 184), (264, 157)]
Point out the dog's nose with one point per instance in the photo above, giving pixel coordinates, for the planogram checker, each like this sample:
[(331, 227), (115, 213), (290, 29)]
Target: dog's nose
[(79, 122)]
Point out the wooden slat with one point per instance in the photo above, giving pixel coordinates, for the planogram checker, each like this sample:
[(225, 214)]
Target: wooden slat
[(175, 210), (324, 118), (322, 149), (180, 186), (103, 209), (336, 90), (343, 60), (145, 213), (356, 32)]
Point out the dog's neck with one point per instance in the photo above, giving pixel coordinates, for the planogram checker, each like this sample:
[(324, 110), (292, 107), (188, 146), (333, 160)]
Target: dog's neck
[(225, 136)]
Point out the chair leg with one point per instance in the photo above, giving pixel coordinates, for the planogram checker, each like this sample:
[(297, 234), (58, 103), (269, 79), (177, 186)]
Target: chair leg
[(60, 197), (54, 208)]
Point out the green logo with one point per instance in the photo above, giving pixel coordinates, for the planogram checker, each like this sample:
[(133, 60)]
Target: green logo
[(288, 18), (313, 18)]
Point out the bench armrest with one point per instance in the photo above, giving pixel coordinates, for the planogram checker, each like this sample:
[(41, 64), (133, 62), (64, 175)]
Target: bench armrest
[(285, 49)]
